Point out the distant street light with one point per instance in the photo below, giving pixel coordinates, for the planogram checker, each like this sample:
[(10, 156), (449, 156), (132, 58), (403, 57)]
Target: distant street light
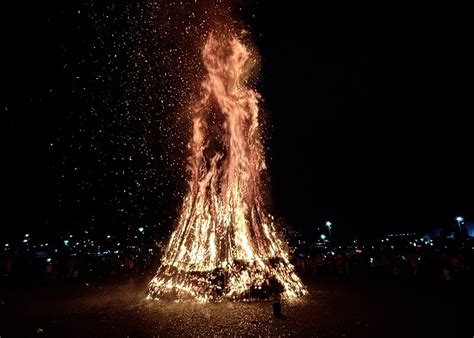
[(329, 224), (460, 220), (323, 237)]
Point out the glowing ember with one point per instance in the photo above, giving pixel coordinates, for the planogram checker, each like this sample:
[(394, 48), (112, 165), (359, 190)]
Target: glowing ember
[(225, 245)]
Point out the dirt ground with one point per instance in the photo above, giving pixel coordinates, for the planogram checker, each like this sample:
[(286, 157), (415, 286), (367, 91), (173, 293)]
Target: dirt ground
[(335, 307)]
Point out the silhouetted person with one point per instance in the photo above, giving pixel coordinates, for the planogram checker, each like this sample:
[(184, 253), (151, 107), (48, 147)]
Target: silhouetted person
[(277, 290)]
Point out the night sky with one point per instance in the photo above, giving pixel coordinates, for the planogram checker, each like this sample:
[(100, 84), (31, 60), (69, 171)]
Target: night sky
[(91, 90)]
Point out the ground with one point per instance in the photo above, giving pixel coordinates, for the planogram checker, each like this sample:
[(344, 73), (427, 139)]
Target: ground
[(335, 307)]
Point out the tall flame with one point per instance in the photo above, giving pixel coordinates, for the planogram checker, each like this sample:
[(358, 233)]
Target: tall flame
[(225, 243)]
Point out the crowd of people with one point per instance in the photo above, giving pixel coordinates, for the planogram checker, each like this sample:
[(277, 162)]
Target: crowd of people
[(432, 263), (26, 268)]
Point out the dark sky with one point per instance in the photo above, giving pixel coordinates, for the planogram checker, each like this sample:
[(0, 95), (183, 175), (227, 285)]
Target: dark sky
[(86, 109)]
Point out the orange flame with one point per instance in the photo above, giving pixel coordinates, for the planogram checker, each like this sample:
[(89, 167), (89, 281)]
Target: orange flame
[(223, 229)]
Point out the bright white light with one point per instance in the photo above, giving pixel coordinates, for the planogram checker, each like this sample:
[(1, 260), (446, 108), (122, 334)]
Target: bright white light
[(141, 229), (323, 237), (6, 244), (25, 241), (66, 242), (108, 236), (459, 219), (328, 224), (27, 235), (48, 260)]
